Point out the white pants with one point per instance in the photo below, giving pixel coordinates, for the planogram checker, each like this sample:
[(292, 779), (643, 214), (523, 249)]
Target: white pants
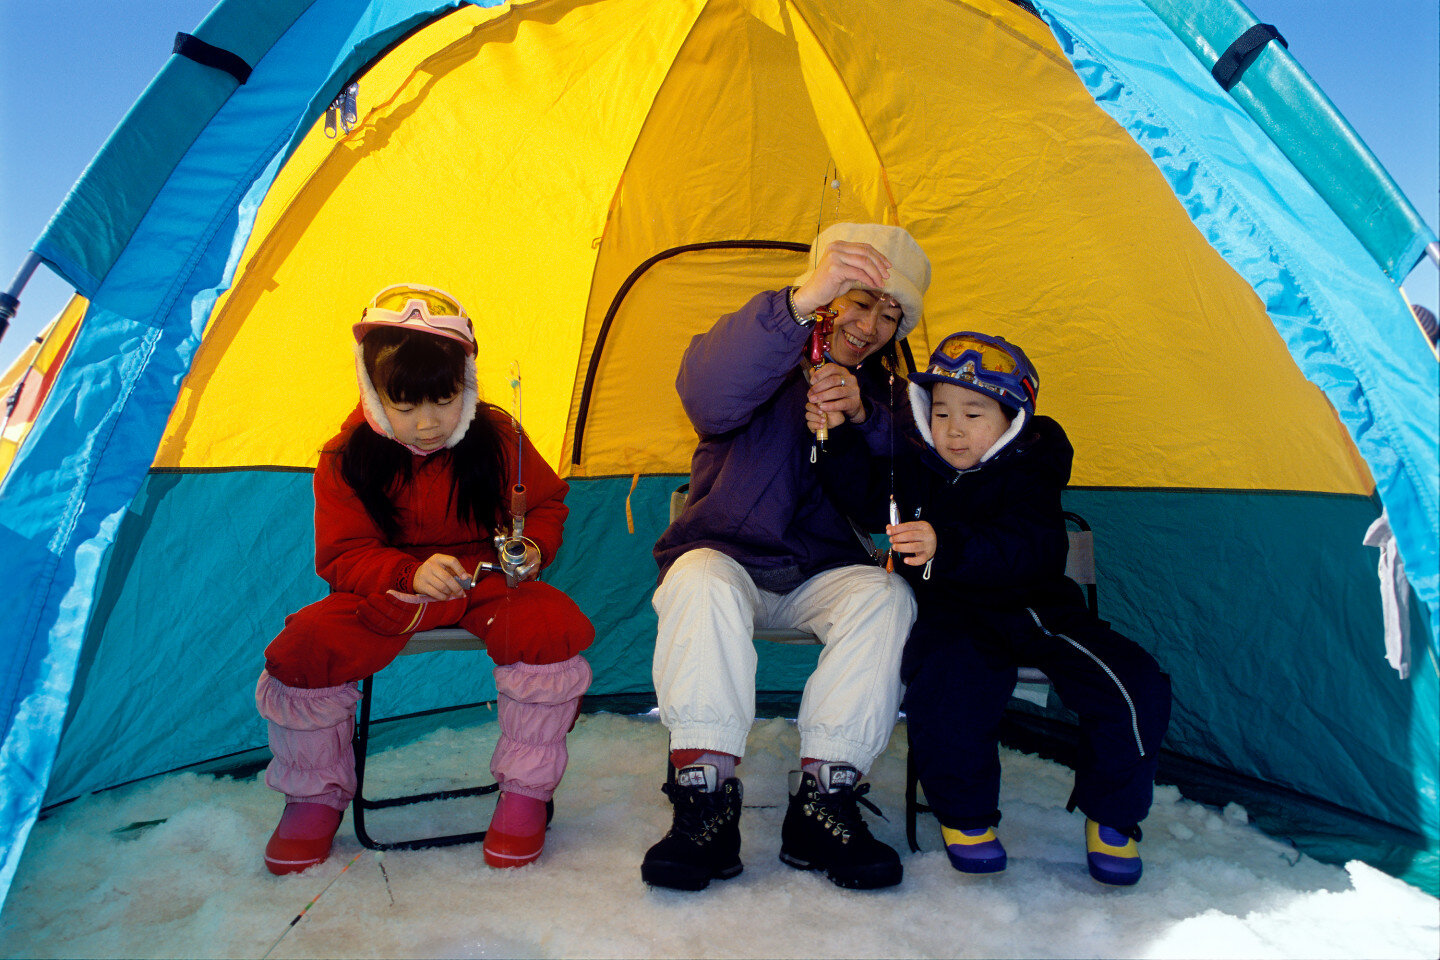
[(705, 657)]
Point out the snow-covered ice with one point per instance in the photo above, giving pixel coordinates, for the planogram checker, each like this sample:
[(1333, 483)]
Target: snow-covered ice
[(101, 878)]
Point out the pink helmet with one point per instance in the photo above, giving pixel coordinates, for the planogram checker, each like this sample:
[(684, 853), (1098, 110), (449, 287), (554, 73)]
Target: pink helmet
[(411, 306)]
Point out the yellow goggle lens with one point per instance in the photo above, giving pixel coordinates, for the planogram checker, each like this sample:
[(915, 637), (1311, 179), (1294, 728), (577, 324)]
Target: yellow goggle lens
[(991, 356), (397, 298)]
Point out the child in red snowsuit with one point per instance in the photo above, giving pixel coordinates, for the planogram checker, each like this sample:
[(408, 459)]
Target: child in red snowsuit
[(408, 498)]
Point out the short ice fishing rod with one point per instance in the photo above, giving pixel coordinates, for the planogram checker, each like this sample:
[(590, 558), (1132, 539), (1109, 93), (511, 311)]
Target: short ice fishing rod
[(519, 555)]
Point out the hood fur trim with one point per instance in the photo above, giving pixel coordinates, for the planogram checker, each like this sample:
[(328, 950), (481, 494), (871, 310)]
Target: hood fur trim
[(920, 407), (375, 410)]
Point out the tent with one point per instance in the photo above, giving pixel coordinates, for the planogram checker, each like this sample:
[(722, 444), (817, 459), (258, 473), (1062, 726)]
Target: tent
[(1202, 269)]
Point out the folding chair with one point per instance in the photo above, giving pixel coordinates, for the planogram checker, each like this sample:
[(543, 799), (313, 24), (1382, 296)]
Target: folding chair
[(428, 641), (1080, 567)]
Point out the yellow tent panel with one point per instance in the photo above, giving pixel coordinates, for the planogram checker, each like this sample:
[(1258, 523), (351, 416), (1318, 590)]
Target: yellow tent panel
[(535, 197)]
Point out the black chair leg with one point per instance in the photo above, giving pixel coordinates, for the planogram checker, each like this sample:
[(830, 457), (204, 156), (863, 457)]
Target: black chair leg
[(360, 804), (913, 805)]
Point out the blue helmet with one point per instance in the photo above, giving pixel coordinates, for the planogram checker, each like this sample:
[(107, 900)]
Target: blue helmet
[(988, 365)]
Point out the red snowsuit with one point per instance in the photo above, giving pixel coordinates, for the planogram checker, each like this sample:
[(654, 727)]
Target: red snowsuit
[(325, 644)]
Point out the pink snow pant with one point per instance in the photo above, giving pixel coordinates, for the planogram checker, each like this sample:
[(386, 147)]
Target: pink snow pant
[(309, 687)]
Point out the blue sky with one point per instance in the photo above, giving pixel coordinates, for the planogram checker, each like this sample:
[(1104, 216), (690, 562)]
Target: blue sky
[(69, 69)]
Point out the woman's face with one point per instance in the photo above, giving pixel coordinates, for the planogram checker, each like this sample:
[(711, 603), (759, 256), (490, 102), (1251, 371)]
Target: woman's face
[(865, 321), (425, 425)]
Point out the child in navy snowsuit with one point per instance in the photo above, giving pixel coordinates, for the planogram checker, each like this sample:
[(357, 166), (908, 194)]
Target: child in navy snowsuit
[(983, 544)]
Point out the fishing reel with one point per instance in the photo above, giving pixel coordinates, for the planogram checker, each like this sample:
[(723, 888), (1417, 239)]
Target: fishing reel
[(519, 560), (519, 557)]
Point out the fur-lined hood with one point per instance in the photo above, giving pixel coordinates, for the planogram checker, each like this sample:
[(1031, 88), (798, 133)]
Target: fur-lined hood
[(920, 406), (375, 410)]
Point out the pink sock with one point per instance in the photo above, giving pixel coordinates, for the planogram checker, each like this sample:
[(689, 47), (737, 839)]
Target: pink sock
[(517, 815)]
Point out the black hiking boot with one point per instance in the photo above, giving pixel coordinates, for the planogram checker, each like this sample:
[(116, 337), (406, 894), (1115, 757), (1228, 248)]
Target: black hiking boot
[(704, 842), (824, 830)]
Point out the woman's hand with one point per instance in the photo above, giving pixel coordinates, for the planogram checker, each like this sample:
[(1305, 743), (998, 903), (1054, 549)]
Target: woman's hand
[(842, 267), (835, 393), (915, 538), (439, 578)]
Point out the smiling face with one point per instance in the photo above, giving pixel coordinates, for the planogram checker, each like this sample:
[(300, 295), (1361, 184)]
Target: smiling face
[(425, 425), (864, 322), (965, 424)]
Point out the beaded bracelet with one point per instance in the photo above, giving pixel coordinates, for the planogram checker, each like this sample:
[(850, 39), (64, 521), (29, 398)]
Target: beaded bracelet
[(806, 321)]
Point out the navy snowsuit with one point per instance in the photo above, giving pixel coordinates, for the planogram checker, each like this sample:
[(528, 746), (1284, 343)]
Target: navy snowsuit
[(993, 598)]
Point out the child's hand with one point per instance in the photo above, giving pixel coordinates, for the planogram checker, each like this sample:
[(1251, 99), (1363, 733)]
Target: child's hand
[(915, 538), (835, 392), (814, 416), (438, 578)]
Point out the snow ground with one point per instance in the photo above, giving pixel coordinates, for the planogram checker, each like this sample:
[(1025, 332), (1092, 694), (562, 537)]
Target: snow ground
[(102, 878)]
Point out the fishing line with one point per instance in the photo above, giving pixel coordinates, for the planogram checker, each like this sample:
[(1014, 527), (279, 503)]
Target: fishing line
[(515, 390), (894, 508), (831, 180)]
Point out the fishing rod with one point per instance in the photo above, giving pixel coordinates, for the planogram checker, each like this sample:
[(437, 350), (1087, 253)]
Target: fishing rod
[(818, 356), (519, 555)]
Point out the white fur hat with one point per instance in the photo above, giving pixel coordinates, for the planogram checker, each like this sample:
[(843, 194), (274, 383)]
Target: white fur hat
[(909, 267)]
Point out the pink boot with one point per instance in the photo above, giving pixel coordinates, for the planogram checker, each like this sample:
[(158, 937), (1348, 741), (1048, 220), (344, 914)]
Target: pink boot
[(313, 765), (303, 837), (537, 706), (517, 831)]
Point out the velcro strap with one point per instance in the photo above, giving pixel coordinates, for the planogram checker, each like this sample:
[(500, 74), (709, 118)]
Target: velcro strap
[(1242, 52), (193, 48)]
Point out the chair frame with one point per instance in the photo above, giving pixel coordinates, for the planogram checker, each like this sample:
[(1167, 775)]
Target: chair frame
[(427, 641)]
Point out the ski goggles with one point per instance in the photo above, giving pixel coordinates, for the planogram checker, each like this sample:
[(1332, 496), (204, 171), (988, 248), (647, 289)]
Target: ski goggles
[(415, 307), (989, 363)]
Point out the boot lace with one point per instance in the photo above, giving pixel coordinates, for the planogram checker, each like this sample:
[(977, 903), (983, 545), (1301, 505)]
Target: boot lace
[(838, 813), (699, 816)]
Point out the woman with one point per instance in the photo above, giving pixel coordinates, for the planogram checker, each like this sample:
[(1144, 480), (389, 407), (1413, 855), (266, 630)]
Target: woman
[(759, 544)]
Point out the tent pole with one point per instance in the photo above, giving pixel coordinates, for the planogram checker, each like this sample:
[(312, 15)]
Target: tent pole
[(1432, 250), (10, 299)]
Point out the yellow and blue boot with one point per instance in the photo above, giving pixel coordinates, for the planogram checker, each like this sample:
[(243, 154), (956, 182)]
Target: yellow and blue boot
[(1114, 857), (973, 851)]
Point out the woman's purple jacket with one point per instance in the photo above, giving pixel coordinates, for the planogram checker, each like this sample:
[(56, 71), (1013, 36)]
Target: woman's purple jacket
[(754, 494)]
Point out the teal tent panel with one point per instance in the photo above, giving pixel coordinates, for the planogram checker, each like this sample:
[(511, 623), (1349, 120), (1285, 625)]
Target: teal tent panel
[(1268, 624), (180, 624), (168, 670), (68, 488), (1281, 98), (1344, 322), (1268, 620)]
